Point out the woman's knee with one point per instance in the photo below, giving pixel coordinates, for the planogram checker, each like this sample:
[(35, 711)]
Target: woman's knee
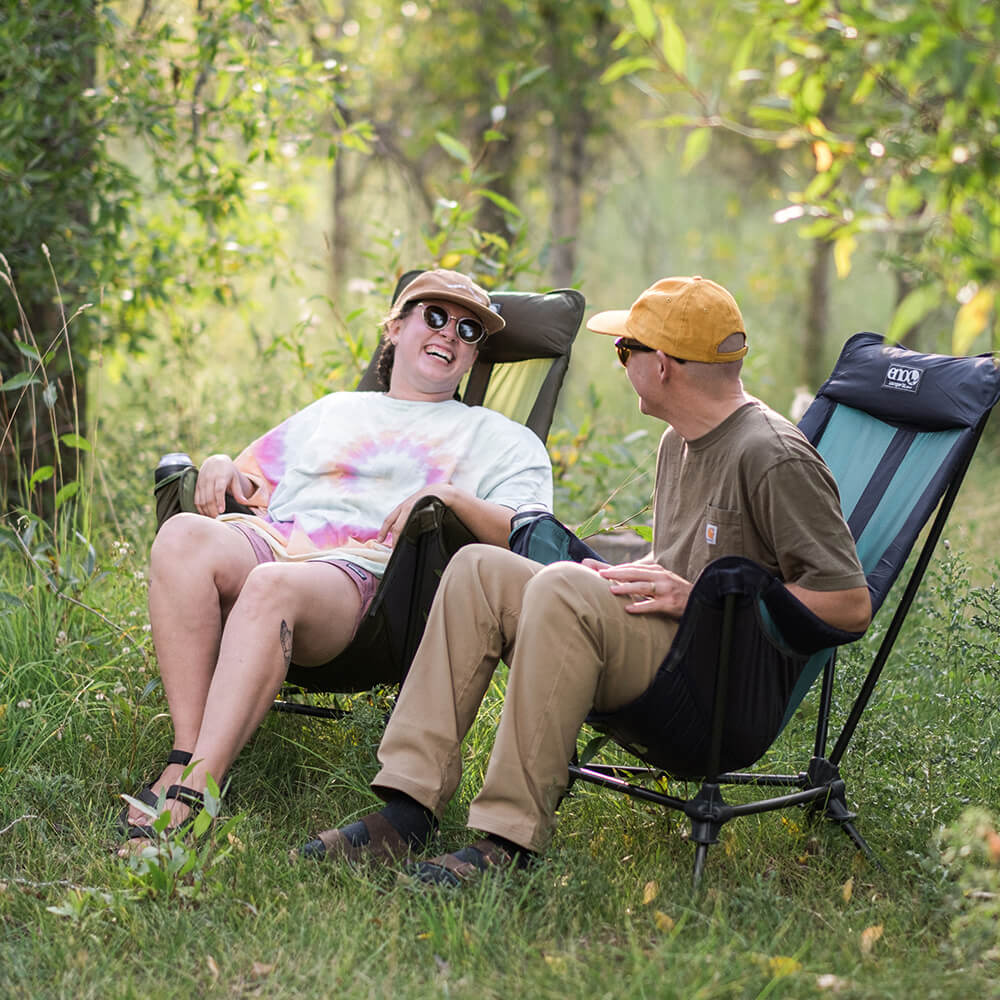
[(191, 548), (265, 584), (318, 603), (181, 538), (297, 590)]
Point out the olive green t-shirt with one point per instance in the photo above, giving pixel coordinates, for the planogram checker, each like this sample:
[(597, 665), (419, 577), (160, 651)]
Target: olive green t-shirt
[(754, 487)]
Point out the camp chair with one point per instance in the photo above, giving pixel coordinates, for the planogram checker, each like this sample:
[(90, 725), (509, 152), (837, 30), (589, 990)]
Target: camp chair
[(898, 430), (519, 372)]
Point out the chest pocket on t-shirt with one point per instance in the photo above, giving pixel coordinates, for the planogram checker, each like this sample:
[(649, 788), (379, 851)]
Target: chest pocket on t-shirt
[(721, 535)]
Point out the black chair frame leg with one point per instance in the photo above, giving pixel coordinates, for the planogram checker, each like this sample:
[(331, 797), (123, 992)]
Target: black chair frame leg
[(708, 812), (822, 773)]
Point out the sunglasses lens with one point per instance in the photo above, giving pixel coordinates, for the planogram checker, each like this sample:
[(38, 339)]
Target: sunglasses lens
[(435, 317), (623, 353), (470, 331)]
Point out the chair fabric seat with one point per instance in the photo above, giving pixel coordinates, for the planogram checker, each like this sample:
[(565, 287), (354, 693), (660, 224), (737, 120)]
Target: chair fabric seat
[(390, 631)]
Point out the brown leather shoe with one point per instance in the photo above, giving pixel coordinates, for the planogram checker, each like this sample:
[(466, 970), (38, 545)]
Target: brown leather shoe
[(467, 863), (385, 844)]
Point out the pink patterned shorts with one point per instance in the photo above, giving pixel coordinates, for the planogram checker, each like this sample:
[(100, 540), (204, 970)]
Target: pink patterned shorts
[(363, 579)]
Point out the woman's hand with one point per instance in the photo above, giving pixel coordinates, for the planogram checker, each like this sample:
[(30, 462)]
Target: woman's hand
[(217, 476), (657, 589), (393, 525)]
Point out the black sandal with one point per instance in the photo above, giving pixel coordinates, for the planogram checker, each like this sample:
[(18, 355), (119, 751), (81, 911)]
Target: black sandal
[(146, 795), (180, 793)]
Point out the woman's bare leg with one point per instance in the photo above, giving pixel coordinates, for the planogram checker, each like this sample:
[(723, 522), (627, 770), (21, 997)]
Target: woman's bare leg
[(301, 611), (197, 569)]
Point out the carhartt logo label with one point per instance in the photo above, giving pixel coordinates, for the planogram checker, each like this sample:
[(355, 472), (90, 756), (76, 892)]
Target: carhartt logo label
[(711, 533), (902, 377)]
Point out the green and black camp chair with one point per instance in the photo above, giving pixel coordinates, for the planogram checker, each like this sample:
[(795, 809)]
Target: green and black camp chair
[(898, 430), (519, 373)]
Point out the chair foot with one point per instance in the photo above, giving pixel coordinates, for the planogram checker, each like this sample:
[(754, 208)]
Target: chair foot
[(700, 856), (837, 811)]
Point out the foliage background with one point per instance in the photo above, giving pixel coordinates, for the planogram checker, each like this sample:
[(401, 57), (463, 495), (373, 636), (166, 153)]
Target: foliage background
[(226, 191)]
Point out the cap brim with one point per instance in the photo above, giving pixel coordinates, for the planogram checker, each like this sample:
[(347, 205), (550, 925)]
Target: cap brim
[(611, 322)]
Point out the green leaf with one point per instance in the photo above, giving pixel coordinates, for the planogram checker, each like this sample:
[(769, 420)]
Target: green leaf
[(75, 441), (202, 822), (670, 121), (695, 148), (593, 747), (19, 380), (224, 82), (68, 491), (864, 88), (453, 147), (645, 19), (843, 249), (500, 201), (625, 67), (41, 475), (674, 45), (972, 320), (912, 310), (27, 350), (813, 92), (532, 74), (148, 810)]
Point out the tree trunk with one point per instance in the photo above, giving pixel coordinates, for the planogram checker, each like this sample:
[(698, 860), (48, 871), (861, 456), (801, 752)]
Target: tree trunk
[(568, 170), (814, 368)]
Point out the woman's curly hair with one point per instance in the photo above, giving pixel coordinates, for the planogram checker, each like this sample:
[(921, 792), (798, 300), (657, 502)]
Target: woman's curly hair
[(387, 349)]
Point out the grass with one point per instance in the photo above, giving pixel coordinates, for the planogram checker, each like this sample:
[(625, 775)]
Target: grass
[(789, 908)]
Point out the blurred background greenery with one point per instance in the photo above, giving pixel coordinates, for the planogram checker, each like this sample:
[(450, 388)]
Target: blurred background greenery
[(204, 206), (207, 203)]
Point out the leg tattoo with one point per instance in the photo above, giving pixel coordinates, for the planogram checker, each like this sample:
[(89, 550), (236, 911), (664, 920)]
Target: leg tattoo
[(285, 638)]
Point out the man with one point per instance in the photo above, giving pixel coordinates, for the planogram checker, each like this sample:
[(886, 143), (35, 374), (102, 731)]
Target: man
[(733, 478)]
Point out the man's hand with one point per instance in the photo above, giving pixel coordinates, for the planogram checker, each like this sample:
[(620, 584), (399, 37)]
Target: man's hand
[(656, 589), (217, 476)]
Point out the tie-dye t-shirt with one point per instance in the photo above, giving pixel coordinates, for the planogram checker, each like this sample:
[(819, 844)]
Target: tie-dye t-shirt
[(327, 477)]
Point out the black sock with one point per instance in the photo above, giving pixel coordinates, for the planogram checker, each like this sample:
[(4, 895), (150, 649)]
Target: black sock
[(414, 822), (521, 855)]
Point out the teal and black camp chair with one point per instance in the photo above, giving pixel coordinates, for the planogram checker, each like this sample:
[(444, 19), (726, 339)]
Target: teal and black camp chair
[(519, 373), (898, 430)]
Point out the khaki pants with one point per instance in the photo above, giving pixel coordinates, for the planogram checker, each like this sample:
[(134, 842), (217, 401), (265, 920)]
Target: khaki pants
[(570, 646)]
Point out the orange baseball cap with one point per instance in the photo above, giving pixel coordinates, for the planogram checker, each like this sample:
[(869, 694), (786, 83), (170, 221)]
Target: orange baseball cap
[(687, 318)]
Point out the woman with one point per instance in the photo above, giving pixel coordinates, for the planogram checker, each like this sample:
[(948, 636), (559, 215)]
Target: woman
[(234, 599)]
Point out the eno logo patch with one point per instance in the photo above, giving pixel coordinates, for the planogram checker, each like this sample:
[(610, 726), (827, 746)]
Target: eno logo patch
[(902, 377)]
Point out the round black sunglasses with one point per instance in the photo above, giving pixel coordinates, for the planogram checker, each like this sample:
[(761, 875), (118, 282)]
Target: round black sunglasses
[(469, 331)]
